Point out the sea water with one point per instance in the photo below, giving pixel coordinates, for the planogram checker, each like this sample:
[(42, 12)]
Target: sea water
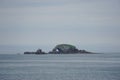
[(104, 66)]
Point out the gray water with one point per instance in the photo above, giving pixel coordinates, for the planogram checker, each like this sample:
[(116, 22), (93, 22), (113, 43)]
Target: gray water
[(60, 67)]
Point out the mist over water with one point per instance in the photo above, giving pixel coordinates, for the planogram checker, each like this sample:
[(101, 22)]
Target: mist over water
[(60, 67)]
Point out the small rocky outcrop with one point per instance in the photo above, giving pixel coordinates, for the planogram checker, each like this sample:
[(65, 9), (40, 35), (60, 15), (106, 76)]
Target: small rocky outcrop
[(39, 51)]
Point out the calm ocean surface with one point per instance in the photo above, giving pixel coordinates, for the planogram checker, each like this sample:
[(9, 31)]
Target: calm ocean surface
[(60, 67)]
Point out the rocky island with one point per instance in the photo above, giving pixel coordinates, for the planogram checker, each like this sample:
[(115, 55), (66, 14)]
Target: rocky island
[(61, 49), (39, 51)]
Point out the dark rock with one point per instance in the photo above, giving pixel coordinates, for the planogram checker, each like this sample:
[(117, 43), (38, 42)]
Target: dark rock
[(39, 51), (29, 52)]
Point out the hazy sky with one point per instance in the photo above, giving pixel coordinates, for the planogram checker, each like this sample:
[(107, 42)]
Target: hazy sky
[(93, 25)]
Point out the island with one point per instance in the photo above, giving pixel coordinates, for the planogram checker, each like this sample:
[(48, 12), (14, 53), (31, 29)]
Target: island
[(39, 51), (61, 49)]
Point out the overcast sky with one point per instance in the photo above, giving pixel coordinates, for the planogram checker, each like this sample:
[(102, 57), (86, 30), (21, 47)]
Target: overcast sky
[(93, 25)]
